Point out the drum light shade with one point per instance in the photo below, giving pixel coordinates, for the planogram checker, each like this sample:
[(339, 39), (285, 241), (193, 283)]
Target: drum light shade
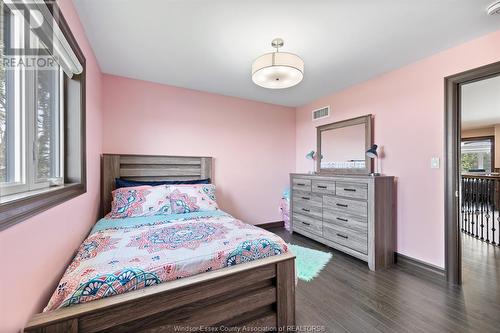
[(277, 70)]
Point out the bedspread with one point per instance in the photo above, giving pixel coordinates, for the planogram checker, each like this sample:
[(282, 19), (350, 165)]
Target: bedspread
[(121, 255)]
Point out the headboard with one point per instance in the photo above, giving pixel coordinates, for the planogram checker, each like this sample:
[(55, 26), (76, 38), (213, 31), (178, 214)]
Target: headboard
[(149, 167)]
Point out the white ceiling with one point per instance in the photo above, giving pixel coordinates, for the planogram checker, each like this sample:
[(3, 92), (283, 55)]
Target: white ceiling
[(481, 103), (209, 45)]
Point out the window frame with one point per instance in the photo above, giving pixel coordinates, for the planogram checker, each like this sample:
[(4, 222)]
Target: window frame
[(32, 177), (491, 138), (18, 207), (15, 125)]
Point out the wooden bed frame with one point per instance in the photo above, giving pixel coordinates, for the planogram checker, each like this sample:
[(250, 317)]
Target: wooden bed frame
[(259, 294)]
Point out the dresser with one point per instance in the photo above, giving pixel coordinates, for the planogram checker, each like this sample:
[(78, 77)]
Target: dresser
[(352, 214)]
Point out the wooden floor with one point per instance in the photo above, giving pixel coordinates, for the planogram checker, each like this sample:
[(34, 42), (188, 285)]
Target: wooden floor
[(347, 297)]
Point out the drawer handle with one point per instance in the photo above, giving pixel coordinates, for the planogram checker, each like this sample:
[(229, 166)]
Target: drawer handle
[(301, 184), (306, 223), (343, 236), (306, 198), (306, 210), (322, 186), (341, 219), (342, 205), (350, 189)]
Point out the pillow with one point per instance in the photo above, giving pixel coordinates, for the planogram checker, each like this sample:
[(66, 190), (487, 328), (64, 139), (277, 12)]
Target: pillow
[(119, 182), (192, 198), (140, 201)]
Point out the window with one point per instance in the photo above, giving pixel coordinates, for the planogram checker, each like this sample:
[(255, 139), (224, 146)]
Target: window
[(30, 121), (478, 154), (47, 126), (10, 112), (42, 110)]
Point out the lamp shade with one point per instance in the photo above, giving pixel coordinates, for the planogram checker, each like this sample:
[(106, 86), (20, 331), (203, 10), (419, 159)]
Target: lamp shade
[(372, 152), (277, 70), (310, 155)]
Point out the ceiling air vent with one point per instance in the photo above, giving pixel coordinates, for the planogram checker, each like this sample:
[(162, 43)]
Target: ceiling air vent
[(321, 113)]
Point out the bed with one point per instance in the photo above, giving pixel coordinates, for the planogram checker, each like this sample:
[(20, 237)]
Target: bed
[(240, 275)]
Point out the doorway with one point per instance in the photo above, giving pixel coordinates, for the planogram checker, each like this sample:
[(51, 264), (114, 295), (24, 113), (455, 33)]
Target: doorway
[(465, 161)]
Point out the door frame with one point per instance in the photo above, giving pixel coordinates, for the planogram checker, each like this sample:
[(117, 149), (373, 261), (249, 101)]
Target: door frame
[(453, 83)]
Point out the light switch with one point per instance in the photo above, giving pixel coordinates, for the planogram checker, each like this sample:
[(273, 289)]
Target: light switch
[(435, 163)]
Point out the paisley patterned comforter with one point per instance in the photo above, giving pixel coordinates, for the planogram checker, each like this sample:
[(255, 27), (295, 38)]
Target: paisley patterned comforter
[(133, 253)]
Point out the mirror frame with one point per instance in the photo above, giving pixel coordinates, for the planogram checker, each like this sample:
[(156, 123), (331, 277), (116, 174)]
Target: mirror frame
[(367, 121)]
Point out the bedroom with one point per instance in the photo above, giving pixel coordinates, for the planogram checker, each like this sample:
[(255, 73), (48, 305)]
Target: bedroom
[(140, 81)]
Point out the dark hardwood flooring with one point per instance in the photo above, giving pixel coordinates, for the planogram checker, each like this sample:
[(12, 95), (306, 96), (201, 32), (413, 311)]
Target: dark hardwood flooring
[(348, 297)]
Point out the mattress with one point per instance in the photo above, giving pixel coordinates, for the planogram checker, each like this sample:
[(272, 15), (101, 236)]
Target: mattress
[(121, 255)]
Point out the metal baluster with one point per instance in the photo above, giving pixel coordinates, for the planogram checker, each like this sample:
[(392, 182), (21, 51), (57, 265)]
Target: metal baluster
[(484, 185), (466, 220), (488, 206), (493, 204), (463, 219), (469, 201), (480, 208), (474, 205), (478, 205), (466, 189), (493, 229)]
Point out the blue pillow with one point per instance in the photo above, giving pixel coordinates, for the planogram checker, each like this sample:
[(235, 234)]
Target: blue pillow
[(119, 182)]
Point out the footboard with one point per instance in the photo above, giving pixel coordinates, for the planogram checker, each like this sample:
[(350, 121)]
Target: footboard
[(259, 295)]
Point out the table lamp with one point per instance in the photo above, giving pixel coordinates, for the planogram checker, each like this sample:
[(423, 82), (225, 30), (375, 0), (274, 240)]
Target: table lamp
[(373, 154)]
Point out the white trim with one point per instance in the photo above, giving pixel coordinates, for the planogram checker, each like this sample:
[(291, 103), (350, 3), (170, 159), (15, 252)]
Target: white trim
[(62, 51), (20, 183), (61, 125)]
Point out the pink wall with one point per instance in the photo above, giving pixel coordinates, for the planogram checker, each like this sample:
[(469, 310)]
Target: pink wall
[(253, 143), (35, 253), (408, 107)]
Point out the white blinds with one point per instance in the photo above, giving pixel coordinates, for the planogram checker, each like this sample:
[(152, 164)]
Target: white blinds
[(44, 26)]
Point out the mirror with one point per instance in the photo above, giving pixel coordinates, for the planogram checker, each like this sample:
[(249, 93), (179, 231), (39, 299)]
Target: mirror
[(343, 145)]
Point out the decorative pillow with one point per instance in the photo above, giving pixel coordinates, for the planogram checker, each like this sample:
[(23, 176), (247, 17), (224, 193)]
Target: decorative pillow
[(132, 183), (140, 201), (192, 198)]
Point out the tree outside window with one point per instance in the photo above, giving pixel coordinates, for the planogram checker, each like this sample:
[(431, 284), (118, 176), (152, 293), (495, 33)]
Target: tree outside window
[(477, 154)]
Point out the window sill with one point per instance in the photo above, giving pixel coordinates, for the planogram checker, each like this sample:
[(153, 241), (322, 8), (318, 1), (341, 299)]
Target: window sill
[(19, 207)]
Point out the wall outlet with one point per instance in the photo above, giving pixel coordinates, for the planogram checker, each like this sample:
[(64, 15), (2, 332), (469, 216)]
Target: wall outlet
[(435, 163)]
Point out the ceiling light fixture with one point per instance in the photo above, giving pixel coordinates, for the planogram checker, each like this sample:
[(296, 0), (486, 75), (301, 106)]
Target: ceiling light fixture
[(494, 8), (277, 70)]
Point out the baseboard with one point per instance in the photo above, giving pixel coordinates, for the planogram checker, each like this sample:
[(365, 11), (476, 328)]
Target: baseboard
[(269, 225), (419, 268)]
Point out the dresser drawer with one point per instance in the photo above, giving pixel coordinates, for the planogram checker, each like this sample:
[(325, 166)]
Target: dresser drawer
[(308, 209), (301, 184), (307, 198), (309, 224), (352, 239), (352, 207), (353, 222), (352, 190), (323, 186)]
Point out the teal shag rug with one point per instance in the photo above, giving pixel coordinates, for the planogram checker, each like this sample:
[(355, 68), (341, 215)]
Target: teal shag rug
[(309, 262)]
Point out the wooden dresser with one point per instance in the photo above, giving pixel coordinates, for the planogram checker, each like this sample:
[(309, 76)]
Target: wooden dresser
[(353, 214)]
